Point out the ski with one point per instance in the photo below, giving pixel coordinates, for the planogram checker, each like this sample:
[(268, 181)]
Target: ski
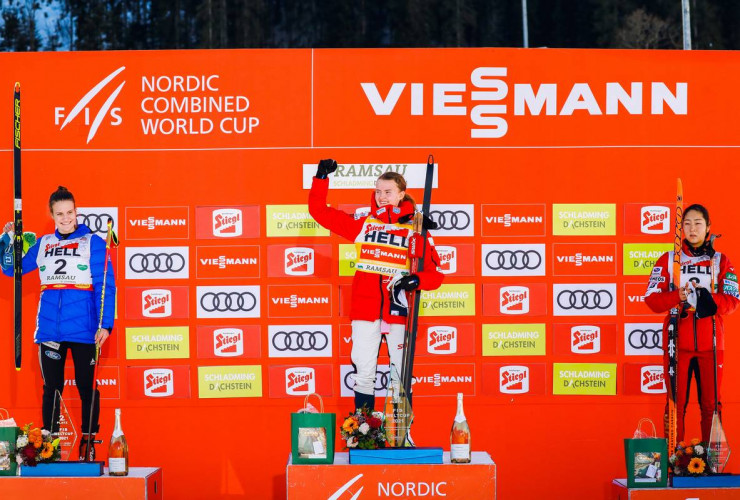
[(18, 227), (673, 321)]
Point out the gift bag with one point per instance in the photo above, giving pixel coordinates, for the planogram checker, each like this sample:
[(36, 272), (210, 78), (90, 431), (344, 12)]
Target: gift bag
[(8, 437), (312, 434), (647, 458)]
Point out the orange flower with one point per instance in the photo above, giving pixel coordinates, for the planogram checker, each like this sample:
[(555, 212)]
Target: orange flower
[(694, 442), (696, 466), (350, 425), (682, 444), (37, 443), (689, 451), (48, 451)]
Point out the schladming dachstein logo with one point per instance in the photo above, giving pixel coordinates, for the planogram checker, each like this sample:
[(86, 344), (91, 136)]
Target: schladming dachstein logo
[(106, 110)]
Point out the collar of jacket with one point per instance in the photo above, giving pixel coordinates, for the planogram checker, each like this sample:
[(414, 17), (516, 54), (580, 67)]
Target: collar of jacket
[(389, 213), (81, 230)]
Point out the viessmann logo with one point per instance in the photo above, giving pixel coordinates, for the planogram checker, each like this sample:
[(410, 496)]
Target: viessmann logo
[(488, 90), (106, 112)]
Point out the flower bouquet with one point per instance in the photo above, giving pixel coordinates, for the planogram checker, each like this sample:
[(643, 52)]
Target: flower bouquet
[(364, 430), (35, 446), (690, 459)]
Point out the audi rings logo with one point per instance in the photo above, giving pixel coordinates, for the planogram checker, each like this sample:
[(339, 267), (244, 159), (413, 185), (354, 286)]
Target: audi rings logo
[(228, 301), (513, 260), (299, 341), (643, 338), (453, 220), (585, 300), (96, 218), (157, 262), (348, 374)]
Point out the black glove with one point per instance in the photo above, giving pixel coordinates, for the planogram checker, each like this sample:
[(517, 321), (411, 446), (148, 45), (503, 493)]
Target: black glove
[(705, 305), (325, 168), (408, 283), (427, 224)]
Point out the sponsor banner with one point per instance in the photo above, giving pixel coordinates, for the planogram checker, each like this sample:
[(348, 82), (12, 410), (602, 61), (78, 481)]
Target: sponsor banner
[(347, 381), (364, 175), (144, 382), (443, 379), (96, 218), (512, 379), (634, 300), (640, 258), (642, 219), (584, 299), (584, 338), (514, 340), (449, 300), (162, 302), (643, 339), (109, 383), (240, 341), (591, 379), (158, 342), (453, 220), (347, 259), (528, 299), (289, 381), (148, 263), (446, 340), (513, 220), (584, 259), (227, 261), (236, 381), (299, 341), (513, 260), (291, 220), (585, 219), (456, 260), (288, 301), (641, 379), (228, 301), (241, 221), (299, 260), (157, 223)]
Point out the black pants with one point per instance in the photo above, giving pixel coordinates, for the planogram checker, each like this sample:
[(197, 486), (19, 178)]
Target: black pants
[(52, 360)]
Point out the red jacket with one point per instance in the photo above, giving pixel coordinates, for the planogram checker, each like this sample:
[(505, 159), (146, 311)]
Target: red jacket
[(694, 334), (370, 298)]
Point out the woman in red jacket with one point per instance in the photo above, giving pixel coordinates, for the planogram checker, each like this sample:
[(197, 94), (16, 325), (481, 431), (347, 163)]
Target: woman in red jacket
[(708, 291), (382, 264)]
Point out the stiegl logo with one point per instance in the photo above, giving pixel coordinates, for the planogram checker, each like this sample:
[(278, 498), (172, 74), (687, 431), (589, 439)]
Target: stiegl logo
[(299, 261), (489, 90), (514, 379), (106, 110), (654, 220), (652, 379), (156, 303), (442, 340), (300, 381), (585, 339), (228, 342), (514, 300), (159, 382), (227, 222), (447, 259)]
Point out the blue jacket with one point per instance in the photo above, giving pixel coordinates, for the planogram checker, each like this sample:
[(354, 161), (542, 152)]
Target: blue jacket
[(68, 315)]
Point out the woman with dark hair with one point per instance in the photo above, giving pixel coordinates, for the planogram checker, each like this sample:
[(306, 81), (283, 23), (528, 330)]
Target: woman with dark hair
[(382, 271), (70, 262), (708, 291)]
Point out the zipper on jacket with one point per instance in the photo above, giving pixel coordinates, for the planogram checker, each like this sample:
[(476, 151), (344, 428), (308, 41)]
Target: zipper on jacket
[(696, 342), (59, 313)]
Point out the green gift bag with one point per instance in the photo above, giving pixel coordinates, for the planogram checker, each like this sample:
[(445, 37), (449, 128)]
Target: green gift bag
[(647, 459), (312, 435), (8, 437)]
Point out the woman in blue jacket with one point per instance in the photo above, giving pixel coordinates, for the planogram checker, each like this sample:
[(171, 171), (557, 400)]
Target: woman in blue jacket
[(71, 264)]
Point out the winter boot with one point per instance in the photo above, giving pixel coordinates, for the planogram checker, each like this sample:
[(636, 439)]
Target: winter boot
[(87, 453)]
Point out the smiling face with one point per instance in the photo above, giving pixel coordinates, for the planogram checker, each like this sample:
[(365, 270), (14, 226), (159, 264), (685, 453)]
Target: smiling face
[(695, 228), (388, 193), (64, 214)]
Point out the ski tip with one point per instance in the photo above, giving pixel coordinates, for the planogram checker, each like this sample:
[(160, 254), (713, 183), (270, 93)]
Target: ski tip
[(17, 86), (18, 368), (430, 160)]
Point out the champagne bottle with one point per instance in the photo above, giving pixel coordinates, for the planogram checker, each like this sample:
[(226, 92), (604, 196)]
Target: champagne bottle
[(460, 436), (118, 450)]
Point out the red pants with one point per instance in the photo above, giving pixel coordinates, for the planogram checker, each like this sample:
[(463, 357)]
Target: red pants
[(700, 365)]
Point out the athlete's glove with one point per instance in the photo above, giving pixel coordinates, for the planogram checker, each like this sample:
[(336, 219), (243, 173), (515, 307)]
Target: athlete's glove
[(408, 283), (325, 168), (705, 304), (428, 223)]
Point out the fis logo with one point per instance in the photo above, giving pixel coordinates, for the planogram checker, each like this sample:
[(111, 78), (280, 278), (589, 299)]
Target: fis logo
[(227, 222), (514, 300), (652, 379), (447, 259), (106, 110), (299, 261), (585, 339), (654, 220), (300, 381), (228, 342), (514, 379), (159, 382), (156, 303), (442, 340)]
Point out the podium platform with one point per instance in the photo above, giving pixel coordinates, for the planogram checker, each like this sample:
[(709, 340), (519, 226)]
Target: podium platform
[(473, 481), (142, 483), (621, 492)]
